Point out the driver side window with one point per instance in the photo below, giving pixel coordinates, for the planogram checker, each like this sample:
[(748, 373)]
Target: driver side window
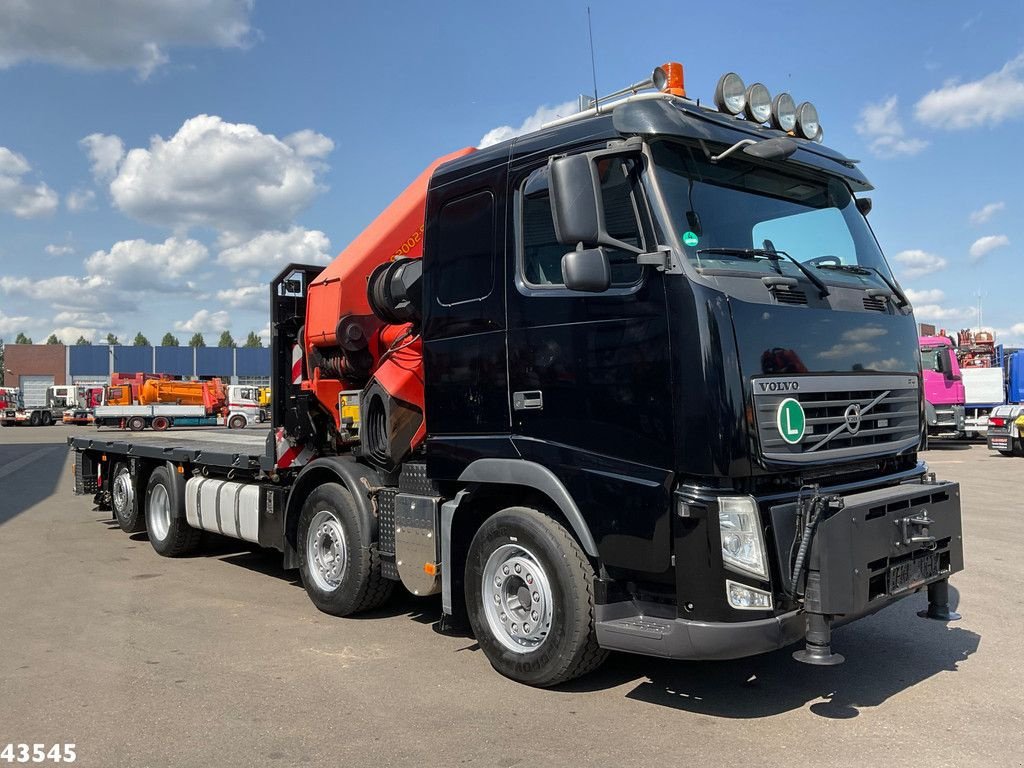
[(541, 254)]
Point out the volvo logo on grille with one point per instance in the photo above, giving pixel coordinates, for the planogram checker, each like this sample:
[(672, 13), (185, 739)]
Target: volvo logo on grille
[(779, 386), (851, 417)]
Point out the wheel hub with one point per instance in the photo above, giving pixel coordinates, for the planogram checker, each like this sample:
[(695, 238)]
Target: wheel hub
[(326, 551), (122, 491), (517, 597)]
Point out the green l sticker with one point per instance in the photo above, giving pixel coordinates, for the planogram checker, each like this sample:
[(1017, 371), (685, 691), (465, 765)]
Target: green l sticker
[(789, 419), (689, 238)]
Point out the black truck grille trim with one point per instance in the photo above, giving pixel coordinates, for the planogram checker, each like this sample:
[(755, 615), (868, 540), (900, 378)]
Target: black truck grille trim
[(886, 419)]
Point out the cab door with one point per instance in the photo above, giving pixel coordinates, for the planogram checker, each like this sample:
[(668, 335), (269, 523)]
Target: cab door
[(589, 374)]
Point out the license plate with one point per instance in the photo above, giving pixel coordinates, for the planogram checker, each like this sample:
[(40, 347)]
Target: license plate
[(913, 573)]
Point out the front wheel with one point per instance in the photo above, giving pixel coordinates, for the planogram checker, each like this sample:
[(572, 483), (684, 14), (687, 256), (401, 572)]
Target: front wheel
[(236, 422), (341, 576), (530, 595)]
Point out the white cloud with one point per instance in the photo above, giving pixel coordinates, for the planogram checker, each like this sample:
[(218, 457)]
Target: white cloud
[(11, 326), (84, 319), (880, 124), (927, 296), (245, 297), (916, 263), (936, 313), (986, 212), (985, 245), (67, 292), (59, 250), (228, 176), (18, 196), (204, 321), (117, 34), (69, 334), (544, 114), (80, 200), (139, 265), (269, 249), (105, 153), (988, 101)]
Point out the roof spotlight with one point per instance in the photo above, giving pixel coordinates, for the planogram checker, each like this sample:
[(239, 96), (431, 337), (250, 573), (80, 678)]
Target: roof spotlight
[(807, 124), (730, 94), (759, 103), (821, 135), (784, 112)]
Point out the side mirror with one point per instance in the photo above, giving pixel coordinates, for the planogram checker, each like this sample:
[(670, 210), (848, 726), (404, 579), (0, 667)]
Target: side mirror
[(587, 269), (949, 371), (864, 206), (577, 208)]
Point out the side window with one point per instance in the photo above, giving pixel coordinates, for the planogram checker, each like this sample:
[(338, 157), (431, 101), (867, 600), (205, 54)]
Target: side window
[(541, 265), (466, 249)]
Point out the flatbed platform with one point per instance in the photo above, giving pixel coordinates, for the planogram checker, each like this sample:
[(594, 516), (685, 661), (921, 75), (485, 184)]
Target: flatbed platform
[(235, 448)]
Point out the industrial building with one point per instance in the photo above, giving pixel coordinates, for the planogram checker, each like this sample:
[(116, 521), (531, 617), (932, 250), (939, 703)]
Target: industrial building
[(38, 366)]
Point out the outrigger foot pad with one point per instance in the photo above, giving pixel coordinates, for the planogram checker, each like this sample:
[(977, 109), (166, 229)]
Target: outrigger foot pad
[(938, 603), (818, 655), (818, 647)]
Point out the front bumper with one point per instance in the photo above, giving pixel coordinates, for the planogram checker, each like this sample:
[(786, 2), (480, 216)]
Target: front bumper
[(945, 420), (879, 547)]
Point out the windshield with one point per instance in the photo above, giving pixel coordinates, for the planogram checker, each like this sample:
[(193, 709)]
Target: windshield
[(754, 211)]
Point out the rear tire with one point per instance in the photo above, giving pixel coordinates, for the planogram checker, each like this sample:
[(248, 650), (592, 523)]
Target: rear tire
[(530, 597), (136, 424), (341, 577), (34, 419), (169, 532), (122, 500), (160, 423)]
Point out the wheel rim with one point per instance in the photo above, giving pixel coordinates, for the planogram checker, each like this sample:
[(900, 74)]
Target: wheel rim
[(122, 492), (517, 598), (326, 552), (159, 512)]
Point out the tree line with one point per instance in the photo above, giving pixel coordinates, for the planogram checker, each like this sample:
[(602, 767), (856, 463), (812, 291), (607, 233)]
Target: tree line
[(252, 341)]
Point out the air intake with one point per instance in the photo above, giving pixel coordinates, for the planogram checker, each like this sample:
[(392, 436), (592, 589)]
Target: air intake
[(790, 297), (874, 304)]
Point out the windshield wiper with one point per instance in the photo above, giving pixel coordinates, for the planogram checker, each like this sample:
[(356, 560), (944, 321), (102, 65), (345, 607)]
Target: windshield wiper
[(857, 269), (773, 255)]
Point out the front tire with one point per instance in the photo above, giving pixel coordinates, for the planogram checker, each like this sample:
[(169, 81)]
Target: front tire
[(169, 532), (122, 501), (236, 422), (341, 577), (530, 595), (47, 419)]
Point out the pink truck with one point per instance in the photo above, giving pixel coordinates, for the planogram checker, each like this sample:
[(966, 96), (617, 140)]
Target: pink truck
[(943, 387)]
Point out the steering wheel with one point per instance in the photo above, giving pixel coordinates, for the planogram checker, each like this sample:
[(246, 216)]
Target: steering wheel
[(817, 261)]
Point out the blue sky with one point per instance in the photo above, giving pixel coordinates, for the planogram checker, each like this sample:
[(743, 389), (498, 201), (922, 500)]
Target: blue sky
[(160, 158)]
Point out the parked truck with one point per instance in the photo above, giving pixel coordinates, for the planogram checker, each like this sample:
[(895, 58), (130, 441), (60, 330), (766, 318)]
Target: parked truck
[(640, 380), (983, 375), (84, 411), (43, 411), (943, 387), (1006, 422), (164, 403)]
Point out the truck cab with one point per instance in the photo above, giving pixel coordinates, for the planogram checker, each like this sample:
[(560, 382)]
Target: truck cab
[(943, 387)]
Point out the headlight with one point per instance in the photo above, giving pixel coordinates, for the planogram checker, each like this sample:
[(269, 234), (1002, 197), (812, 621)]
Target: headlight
[(807, 124), (784, 112), (759, 103), (730, 95), (742, 544)]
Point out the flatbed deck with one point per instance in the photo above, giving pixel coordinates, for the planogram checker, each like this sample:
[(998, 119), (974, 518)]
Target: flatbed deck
[(235, 448)]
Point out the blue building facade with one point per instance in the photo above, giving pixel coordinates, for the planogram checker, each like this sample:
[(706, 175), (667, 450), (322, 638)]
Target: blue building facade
[(95, 363)]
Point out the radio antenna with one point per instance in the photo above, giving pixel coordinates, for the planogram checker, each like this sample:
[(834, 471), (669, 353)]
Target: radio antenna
[(593, 66)]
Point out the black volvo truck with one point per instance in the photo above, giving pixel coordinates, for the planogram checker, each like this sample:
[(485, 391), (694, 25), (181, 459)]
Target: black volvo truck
[(671, 404)]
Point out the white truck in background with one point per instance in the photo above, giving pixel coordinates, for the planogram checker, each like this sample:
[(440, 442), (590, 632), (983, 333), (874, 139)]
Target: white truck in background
[(41, 413)]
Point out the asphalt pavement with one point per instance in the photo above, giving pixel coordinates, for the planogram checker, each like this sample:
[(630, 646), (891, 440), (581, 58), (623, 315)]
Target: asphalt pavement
[(221, 660)]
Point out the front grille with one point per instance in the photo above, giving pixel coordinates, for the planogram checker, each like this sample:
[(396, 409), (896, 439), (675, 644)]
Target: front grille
[(887, 406)]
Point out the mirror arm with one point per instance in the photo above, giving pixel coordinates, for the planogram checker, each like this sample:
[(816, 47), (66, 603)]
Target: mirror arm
[(730, 150)]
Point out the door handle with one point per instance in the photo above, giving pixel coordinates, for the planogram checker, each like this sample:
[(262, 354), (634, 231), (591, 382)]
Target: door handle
[(532, 400)]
